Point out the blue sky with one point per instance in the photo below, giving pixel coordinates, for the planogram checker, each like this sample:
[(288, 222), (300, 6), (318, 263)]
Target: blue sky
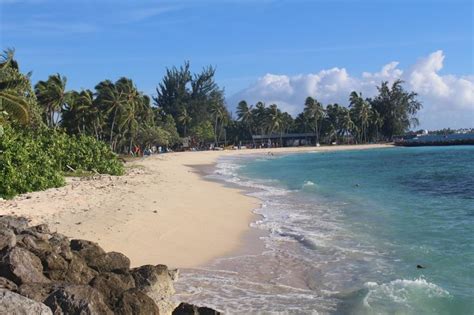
[(246, 40)]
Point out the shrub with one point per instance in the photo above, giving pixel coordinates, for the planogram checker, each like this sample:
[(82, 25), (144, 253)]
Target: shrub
[(36, 160)]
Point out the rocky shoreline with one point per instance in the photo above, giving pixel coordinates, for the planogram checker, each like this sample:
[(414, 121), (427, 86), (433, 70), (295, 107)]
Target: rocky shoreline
[(44, 272)]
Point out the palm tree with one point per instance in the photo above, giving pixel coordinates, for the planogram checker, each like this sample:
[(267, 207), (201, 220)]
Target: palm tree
[(315, 112), (260, 116), (348, 125), (362, 113), (133, 109), (93, 116), (11, 101), (111, 100), (364, 118), (52, 96), (184, 119), (275, 121), (218, 112), (245, 115), (376, 121), (287, 122)]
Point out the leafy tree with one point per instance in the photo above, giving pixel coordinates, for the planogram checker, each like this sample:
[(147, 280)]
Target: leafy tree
[(173, 92), (397, 108), (190, 98), (203, 133)]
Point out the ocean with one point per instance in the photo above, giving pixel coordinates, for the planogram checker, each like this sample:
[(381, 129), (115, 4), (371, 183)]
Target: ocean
[(345, 233)]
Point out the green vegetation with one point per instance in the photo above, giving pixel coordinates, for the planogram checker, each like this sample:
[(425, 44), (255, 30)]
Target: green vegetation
[(391, 112), (48, 130), (35, 153), (35, 160)]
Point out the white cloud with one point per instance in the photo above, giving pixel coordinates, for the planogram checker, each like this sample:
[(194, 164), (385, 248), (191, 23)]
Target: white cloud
[(448, 99)]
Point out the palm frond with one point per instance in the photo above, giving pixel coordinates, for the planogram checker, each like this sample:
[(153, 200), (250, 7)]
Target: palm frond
[(15, 106)]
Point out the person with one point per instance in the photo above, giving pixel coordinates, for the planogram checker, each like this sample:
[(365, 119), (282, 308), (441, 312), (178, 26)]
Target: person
[(137, 151)]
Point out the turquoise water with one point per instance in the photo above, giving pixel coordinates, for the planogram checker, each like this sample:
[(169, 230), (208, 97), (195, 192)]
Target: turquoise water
[(347, 231)]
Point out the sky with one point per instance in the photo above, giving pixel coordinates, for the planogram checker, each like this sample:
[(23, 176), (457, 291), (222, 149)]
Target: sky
[(276, 51)]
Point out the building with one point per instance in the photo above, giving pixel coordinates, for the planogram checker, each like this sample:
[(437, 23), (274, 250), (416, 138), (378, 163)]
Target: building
[(285, 140)]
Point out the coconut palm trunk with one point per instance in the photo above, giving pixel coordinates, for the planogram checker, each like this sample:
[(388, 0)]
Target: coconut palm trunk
[(112, 126)]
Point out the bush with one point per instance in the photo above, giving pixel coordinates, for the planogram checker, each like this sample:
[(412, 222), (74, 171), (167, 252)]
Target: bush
[(31, 161)]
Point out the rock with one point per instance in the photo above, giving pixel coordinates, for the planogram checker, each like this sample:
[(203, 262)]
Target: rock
[(77, 272), (40, 228), (38, 246), (7, 238), (135, 302), (111, 262), (87, 250), (173, 274), (77, 299), (157, 283), (60, 244), (112, 286), (190, 309), (34, 232), (37, 291), (54, 262), (13, 303), (7, 284), (21, 266), (17, 224), (77, 277)]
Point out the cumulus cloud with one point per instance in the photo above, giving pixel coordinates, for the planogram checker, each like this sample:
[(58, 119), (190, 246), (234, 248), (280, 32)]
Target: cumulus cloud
[(448, 99)]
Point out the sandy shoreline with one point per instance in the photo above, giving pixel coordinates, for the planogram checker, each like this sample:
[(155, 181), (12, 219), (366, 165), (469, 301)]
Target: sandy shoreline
[(162, 211)]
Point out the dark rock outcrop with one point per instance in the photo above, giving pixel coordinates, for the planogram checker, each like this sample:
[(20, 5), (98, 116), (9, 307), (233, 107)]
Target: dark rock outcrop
[(21, 266), (136, 302), (190, 309), (76, 272), (89, 251), (61, 245), (7, 238), (112, 286), (77, 299), (111, 262), (44, 273), (37, 291)]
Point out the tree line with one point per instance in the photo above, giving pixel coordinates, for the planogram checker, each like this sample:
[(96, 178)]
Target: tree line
[(391, 112), (192, 106), (35, 153)]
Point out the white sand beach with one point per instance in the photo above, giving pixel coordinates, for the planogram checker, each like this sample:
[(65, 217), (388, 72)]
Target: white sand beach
[(162, 211)]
